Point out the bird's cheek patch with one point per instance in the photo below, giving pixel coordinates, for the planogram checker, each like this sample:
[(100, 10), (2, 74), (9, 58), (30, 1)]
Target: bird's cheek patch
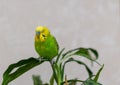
[(36, 38), (42, 39)]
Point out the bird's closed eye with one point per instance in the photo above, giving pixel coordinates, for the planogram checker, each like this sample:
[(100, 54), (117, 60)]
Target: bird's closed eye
[(43, 35)]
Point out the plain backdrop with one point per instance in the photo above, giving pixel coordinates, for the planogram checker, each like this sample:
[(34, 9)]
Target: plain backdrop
[(74, 23)]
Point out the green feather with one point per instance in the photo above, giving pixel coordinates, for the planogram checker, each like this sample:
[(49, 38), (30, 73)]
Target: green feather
[(47, 49)]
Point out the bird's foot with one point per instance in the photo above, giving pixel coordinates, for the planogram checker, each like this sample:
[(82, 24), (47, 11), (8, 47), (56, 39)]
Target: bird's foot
[(53, 61), (39, 59)]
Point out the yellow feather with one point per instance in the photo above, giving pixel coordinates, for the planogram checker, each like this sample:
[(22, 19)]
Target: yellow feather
[(44, 32), (39, 29)]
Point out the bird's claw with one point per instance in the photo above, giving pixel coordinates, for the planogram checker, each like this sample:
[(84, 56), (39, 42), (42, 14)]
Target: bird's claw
[(53, 61), (39, 59)]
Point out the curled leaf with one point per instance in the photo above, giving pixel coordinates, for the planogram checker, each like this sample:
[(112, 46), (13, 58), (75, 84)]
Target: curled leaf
[(21, 67)]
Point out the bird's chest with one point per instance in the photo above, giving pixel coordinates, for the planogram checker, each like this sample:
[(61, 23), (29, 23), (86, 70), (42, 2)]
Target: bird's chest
[(43, 46)]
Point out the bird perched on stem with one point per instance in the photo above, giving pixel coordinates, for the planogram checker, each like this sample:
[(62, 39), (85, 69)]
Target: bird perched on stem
[(45, 43)]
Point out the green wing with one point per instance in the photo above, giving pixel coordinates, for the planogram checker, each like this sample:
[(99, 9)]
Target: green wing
[(57, 46)]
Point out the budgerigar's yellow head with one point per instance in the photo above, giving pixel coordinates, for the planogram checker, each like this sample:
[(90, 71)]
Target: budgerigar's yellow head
[(41, 33)]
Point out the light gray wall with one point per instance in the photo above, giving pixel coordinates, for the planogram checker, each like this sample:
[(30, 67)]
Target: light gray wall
[(85, 23)]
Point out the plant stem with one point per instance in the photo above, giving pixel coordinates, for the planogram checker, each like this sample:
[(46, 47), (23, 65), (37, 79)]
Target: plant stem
[(54, 73), (59, 75)]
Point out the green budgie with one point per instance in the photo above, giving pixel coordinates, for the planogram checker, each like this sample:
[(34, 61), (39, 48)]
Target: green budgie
[(45, 43)]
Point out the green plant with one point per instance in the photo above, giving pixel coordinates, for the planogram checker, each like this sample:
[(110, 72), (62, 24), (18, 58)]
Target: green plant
[(58, 67)]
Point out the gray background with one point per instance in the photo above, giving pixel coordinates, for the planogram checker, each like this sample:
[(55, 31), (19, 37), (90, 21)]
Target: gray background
[(84, 23)]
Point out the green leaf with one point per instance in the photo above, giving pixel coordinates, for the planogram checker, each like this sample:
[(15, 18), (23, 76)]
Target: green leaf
[(90, 82), (84, 52), (20, 67), (94, 52), (58, 57), (90, 73), (37, 80), (98, 73), (52, 80), (69, 52)]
